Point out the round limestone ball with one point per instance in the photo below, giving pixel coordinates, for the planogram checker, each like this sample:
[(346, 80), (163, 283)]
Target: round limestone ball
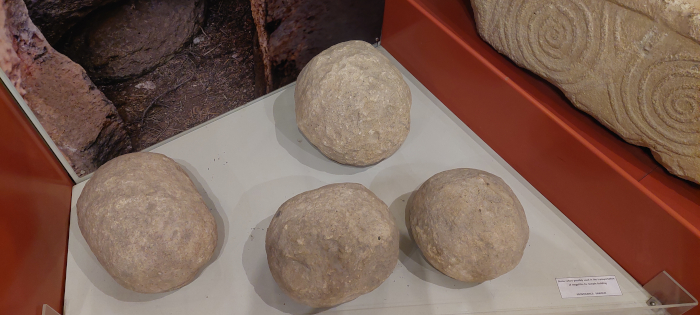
[(330, 245), (144, 220), (468, 224), (353, 104)]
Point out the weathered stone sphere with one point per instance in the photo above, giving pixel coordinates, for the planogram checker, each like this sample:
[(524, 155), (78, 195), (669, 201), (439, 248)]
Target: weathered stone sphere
[(330, 245), (468, 224), (146, 223), (353, 104)]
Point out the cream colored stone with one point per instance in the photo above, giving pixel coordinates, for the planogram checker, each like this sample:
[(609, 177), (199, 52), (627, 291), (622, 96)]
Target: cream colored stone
[(636, 73), (468, 224), (683, 16), (146, 223), (353, 104), (330, 245)]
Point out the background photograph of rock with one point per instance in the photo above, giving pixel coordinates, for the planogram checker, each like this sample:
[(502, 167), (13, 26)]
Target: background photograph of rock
[(108, 77)]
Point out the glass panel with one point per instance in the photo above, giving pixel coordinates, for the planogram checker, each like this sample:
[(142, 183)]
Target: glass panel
[(668, 295), (47, 310)]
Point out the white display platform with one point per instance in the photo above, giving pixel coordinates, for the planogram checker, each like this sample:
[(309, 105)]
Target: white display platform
[(248, 162)]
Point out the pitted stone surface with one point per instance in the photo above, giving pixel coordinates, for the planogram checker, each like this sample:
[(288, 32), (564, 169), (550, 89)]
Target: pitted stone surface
[(353, 104), (330, 245), (468, 224), (633, 65), (683, 16), (146, 223)]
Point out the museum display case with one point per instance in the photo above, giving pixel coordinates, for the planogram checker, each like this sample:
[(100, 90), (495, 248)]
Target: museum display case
[(610, 231)]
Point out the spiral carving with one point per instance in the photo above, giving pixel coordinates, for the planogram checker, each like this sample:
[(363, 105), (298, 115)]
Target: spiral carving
[(558, 39), (636, 76), (663, 101)]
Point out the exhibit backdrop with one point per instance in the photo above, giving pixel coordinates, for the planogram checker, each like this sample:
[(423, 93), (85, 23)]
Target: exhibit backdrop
[(109, 77)]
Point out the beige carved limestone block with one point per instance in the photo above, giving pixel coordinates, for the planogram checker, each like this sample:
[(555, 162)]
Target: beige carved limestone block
[(633, 65)]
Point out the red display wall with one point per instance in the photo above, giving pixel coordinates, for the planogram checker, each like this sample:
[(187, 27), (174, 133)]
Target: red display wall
[(644, 218), (35, 193)]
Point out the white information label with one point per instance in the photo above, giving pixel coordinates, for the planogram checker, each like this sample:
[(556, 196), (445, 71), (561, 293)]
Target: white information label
[(588, 286)]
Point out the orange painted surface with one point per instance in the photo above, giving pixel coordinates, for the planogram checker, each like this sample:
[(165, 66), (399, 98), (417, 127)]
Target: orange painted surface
[(35, 193), (644, 218)]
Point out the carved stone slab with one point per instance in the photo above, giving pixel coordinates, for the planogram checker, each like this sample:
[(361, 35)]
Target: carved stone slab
[(633, 65)]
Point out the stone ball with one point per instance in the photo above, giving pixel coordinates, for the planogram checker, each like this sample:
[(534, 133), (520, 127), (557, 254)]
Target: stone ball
[(353, 104), (146, 223), (330, 245), (468, 224)]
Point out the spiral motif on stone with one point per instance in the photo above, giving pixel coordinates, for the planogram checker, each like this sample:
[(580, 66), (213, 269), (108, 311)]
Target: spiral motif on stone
[(556, 38), (663, 101), (637, 76)]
